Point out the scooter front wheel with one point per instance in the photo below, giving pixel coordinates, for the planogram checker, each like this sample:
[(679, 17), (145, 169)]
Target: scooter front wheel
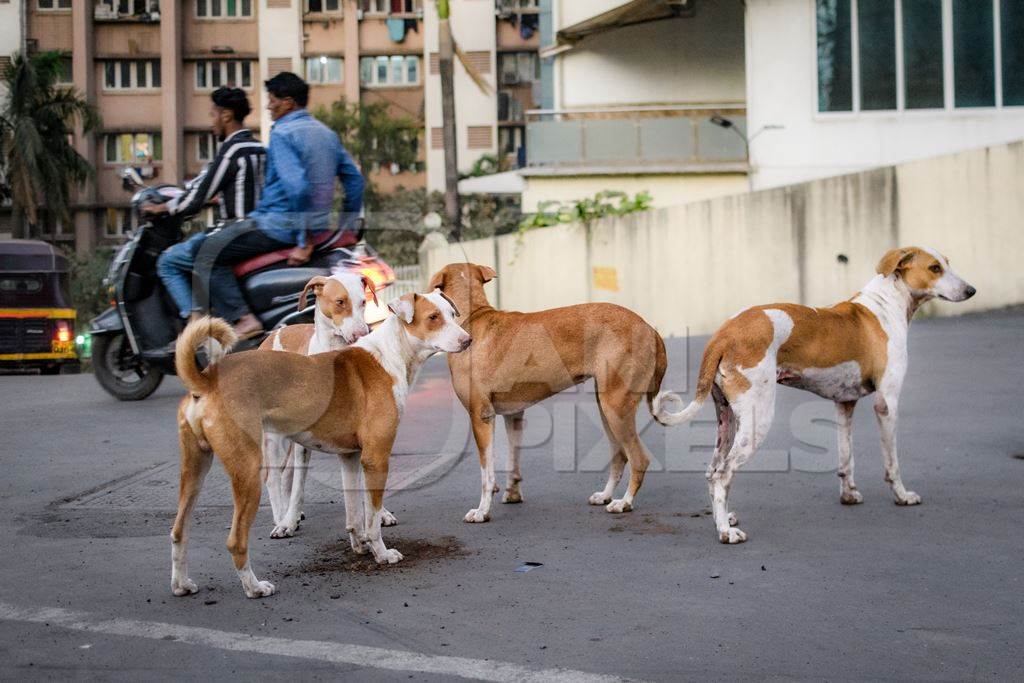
[(122, 376)]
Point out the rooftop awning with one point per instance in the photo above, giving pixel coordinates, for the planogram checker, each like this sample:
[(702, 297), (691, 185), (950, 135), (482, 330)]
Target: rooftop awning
[(629, 14)]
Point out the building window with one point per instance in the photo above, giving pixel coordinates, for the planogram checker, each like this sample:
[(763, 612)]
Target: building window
[(212, 74), (835, 65), (1011, 21), (135, 74), (974, 33), (388, 6), (129, 8), (53, 4), (64, 74), (133, 148), (117, 222), (323, 5), (518, 67), (206, 147), (922, 55), (876, 42), (388, 70), (973, 54), (323, 70), (223, 9)]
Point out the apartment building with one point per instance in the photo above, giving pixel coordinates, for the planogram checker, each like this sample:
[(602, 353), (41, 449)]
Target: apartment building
[(149, 66), (703, 98)]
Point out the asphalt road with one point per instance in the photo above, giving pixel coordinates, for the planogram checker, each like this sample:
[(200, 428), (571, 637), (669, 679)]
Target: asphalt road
[(819, 591)]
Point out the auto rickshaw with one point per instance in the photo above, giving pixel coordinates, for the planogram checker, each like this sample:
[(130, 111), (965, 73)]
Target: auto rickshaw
[(37, 323)]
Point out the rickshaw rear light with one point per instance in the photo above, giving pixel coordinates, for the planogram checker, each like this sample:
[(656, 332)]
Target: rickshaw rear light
[(63, 331)]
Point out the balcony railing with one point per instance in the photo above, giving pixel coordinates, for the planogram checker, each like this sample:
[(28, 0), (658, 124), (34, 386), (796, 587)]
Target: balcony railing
[(686, 137)]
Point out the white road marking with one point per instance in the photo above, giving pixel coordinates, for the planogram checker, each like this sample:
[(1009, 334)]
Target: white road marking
[(320, 650)]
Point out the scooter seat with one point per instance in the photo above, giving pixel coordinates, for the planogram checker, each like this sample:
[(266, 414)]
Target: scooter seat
[(324, 241)]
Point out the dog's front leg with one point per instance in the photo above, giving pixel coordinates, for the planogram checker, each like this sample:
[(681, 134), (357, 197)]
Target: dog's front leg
[(294, 493), (352, 488), (886, 412), (274, 454), (848, 493), (375, 471), (483, 432)]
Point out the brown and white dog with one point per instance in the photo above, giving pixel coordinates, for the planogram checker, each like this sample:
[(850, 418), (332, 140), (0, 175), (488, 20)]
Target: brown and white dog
[(519, 359), (347, 401), (842, 353), (339, 319)]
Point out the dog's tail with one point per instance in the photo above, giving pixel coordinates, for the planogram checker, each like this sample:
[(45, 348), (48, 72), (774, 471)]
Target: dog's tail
[(218, 336), (660, 366), (661, 404)]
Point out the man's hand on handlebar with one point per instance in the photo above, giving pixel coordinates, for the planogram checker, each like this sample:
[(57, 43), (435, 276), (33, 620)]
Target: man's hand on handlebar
[(300, 255)]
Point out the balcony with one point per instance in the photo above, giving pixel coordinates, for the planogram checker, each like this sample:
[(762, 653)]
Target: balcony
[(127, 11), (638, 140)]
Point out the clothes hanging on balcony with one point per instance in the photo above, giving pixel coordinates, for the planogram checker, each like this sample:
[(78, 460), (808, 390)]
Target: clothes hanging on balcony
[(396, 29)]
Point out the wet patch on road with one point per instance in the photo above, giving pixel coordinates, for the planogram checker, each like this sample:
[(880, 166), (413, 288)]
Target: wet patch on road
[(337, 557)]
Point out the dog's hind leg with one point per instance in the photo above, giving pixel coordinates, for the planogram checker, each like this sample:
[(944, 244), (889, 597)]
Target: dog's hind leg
[(294, 495), (195, 463), (483, 432), (752, 410), (618, 406), (375, 471), (355, 510), (618, 464), (242, 462), (848, 493), (514, 425), (277, 461)]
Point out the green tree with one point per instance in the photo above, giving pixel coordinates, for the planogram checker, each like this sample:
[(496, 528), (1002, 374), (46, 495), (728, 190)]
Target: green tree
[(37, 122), (372, 135)]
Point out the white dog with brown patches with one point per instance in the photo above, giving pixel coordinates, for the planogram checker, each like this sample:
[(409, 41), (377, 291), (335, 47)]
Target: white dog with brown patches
[(842, 353), (339, 319)]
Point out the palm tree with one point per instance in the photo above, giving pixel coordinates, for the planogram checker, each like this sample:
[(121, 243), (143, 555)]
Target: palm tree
[(37, 121)]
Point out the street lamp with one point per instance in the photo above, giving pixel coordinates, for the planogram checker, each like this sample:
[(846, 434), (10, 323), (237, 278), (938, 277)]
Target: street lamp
[(729, 124)]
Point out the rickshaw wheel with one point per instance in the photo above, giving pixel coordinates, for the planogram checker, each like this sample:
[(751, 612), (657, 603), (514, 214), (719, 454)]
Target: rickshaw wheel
[(119, 372)]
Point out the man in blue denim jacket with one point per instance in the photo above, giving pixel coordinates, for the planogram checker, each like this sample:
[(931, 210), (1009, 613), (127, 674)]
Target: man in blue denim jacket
[(303, 160)]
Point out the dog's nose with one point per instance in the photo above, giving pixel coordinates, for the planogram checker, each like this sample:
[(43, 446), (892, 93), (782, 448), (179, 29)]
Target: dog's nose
[(970, 291)]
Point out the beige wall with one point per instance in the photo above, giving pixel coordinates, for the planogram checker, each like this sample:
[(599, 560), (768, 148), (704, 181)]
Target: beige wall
[(667, 190), (687, 268), (51, 29), (127, 39)]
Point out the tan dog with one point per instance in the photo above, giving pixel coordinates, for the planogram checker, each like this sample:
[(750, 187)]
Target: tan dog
[(842, 353), (519, 359), (338, 320), (341, 402)]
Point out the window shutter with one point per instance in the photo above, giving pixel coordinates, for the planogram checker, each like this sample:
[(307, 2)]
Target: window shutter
[(276, 65), (480, 137), (437, 138)]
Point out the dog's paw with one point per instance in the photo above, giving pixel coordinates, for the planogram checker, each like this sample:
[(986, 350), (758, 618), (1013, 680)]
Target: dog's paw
[(732, 536), (389, 556), (598, 498), (619, 505), (475, 516), (184, 586), (910, 499), (262, 589), (387, 518), (358, 546), (284, 530), (851, 498), (512, 496), (733, 519)]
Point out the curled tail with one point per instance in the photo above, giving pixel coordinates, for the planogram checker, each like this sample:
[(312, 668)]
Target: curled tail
[(219, 337), (662, 403)]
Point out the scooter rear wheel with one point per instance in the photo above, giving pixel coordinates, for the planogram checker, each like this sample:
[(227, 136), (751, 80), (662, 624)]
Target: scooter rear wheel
[(123, 377)]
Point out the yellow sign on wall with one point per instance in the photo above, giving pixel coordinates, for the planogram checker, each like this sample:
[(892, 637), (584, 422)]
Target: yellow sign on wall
[(606, 278)]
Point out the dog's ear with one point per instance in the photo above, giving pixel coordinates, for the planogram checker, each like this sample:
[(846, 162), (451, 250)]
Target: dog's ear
[(437, 281), (894, 260), (487, 273), (368, 286), (404, 306), (317, 285), (449, 300)]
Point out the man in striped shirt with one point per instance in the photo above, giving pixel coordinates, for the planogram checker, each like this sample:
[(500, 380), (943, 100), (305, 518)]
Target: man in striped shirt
[(235, 174)]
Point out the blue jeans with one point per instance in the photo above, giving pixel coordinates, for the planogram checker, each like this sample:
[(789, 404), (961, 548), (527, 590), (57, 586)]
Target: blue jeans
[(208, 258)]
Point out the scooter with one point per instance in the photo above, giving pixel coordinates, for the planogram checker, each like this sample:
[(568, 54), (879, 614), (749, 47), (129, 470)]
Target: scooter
[(131, 341)]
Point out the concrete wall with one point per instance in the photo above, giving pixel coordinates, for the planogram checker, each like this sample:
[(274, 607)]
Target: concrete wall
[(781, 80), (687, 268), (667, 190)]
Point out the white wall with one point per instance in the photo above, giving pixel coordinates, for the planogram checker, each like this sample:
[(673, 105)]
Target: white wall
[(474, 30), (280, 30), (10, 28), (688, 268), (695, 59), (781, 90)]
